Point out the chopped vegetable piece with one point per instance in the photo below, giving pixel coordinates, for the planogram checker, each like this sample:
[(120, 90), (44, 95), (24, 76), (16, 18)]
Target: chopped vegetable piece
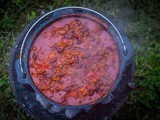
[(60, 87), (63, 44), (52, 55), (56, 78), (62, 31), (84, 91), (74, 94)]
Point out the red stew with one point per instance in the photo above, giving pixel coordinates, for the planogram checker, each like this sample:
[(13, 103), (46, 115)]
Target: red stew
[(74, 61)]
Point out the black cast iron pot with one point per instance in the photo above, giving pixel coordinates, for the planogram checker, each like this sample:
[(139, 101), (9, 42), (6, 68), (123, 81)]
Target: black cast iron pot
[(40, 107)]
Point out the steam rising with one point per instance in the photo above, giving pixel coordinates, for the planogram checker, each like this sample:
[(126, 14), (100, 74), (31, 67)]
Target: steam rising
[(121, 14)]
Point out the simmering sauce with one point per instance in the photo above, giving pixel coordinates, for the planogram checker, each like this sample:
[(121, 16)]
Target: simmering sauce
[(74, 61)]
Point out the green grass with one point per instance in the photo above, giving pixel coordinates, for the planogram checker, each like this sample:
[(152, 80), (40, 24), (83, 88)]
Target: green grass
[(140, 20)]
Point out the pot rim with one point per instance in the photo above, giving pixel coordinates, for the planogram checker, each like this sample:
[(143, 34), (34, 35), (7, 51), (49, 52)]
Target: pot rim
[(121, 68)]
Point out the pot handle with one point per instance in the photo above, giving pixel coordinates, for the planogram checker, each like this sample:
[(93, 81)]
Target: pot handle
[(128, 53)]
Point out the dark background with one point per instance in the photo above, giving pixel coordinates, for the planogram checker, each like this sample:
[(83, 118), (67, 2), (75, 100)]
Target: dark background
[(139, 19)]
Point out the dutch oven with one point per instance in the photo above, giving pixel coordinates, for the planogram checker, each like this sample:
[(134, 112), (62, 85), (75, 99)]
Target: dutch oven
[(36, 102)]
